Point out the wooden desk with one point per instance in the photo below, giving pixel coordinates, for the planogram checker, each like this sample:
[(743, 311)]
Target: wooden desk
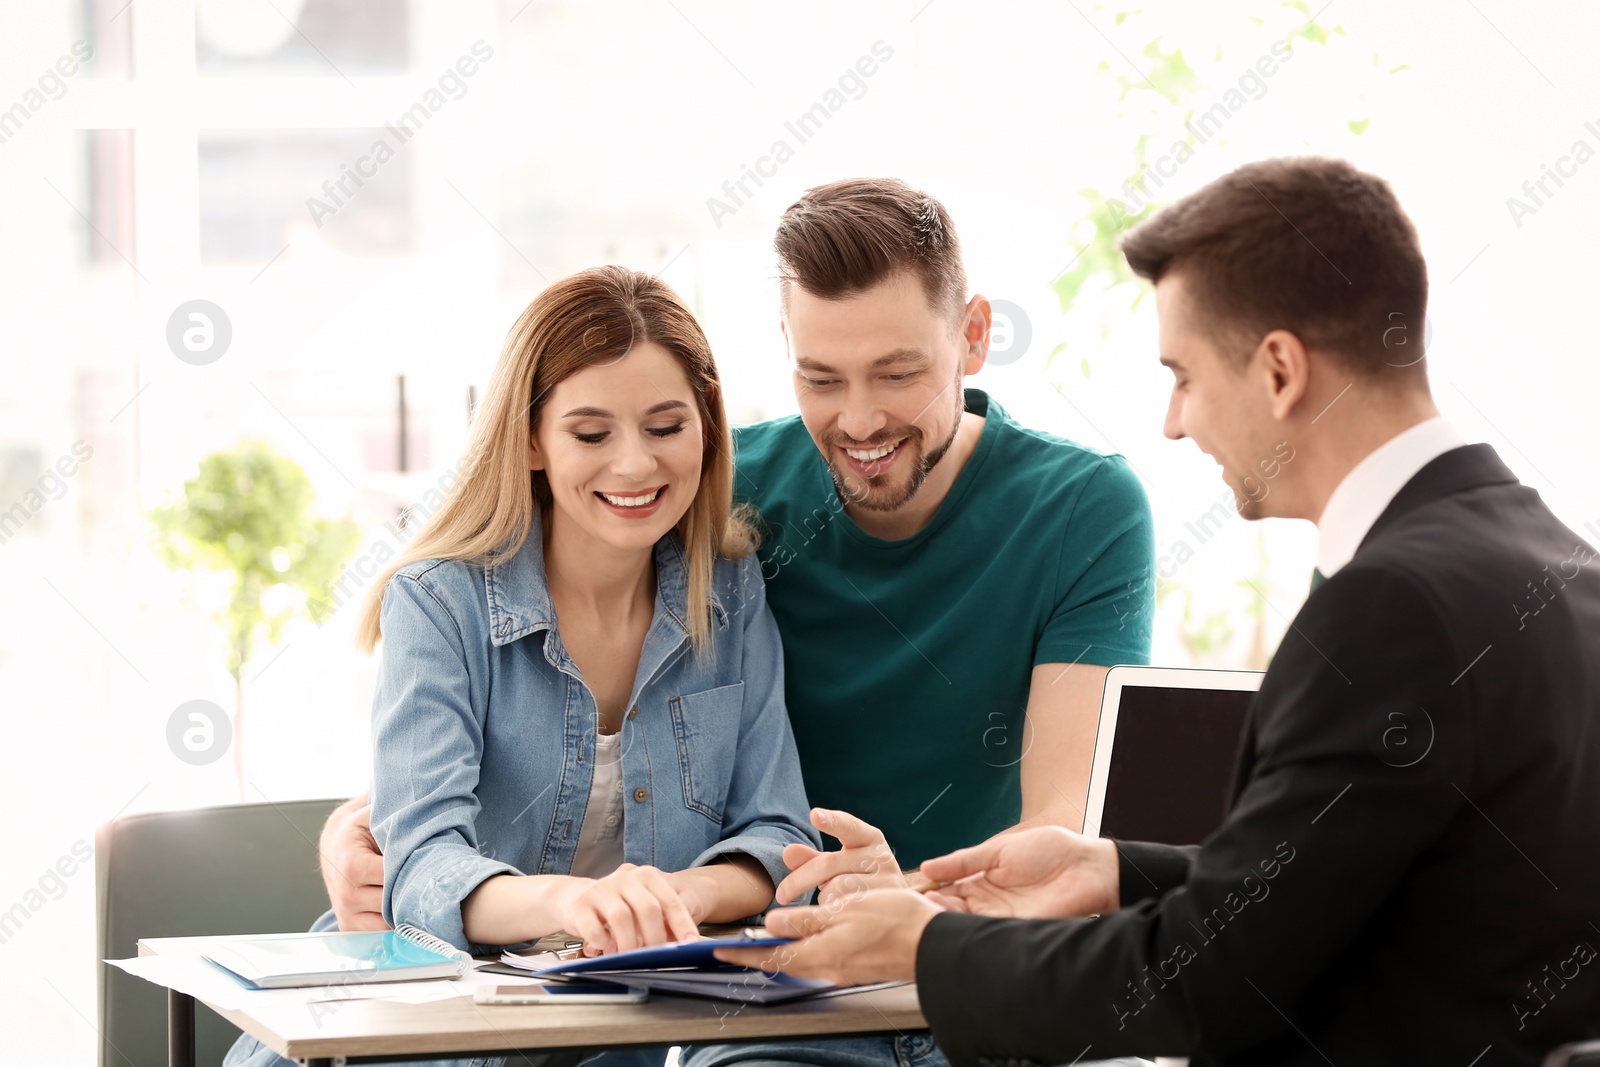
[(367, 1031)]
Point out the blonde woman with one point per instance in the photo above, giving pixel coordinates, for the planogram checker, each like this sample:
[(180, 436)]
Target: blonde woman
[(579, 720)]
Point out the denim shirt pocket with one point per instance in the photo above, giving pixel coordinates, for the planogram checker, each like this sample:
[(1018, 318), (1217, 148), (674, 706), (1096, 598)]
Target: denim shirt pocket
[(706, 725)]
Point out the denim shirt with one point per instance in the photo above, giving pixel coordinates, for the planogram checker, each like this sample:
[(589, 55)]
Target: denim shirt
[(484, 734)]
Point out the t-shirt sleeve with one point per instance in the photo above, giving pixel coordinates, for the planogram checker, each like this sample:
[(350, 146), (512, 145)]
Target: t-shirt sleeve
[(1105, 582), (750, 449)]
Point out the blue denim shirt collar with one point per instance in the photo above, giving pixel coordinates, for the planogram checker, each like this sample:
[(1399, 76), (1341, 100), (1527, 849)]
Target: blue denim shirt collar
[(519, 592)]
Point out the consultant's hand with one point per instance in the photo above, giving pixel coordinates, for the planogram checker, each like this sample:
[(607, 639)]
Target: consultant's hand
[(633, 907), (1044, 873), (352, 866), (864, 862), (870, 938)]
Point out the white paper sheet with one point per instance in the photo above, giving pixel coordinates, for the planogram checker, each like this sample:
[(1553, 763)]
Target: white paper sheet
[(202, 980), (533, 961)]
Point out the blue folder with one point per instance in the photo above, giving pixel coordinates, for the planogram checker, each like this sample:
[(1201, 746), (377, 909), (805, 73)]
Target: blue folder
[(691, 969), (682, 954)]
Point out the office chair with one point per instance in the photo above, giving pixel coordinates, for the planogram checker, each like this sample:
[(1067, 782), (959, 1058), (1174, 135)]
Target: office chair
[(241, 869)]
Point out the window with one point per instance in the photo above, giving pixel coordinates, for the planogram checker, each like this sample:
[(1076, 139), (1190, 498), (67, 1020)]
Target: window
[(107, 25), (258, 189), (333, 37), (106, 192)]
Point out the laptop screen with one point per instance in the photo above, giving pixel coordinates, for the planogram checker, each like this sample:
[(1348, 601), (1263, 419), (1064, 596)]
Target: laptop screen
[(1172, 763)]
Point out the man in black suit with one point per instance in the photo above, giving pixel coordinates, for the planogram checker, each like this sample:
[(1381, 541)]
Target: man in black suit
[(1410, 869)]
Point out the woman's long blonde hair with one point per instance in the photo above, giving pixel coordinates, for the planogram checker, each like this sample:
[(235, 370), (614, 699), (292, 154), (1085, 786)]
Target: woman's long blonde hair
[(595, 316)]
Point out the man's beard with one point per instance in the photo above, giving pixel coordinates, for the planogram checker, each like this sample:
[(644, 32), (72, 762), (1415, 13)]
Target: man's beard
[(879, 498)]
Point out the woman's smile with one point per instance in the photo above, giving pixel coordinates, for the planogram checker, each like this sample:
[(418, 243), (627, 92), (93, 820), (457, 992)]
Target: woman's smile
[(633, 505)]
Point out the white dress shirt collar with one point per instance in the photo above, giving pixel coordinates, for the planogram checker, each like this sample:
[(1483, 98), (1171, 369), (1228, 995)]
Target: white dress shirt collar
[(1360, 498)]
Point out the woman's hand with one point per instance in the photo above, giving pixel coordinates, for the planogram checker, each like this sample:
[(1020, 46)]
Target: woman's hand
[(633, 907)]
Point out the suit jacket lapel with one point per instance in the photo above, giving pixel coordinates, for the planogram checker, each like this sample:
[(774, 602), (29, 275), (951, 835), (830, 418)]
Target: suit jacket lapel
[(1456, 471)]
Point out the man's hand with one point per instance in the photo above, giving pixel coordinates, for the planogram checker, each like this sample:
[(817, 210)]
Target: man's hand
[(872, 938), (865, 861), (1044, 873), (352, 866)]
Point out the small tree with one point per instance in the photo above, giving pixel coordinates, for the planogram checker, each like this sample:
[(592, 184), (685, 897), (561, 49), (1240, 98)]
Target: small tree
[(245, 515)]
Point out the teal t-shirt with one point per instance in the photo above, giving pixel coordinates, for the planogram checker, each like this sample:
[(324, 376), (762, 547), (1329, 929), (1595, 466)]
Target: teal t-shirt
[(907, 663)]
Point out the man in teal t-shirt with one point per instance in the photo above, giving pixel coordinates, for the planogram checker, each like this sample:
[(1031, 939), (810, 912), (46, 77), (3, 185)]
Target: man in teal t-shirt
[(909, 660), (950, 586)]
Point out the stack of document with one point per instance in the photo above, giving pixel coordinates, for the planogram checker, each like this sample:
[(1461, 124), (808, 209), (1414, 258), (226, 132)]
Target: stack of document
[(690, 968)]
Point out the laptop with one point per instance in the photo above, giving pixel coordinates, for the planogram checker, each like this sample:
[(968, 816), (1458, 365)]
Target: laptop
[(1165, 752)]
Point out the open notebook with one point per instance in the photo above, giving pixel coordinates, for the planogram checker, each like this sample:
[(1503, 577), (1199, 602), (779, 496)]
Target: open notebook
[(400, 955), (690, 968)]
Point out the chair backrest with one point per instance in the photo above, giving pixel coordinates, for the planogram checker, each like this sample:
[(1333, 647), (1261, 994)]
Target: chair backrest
[(242, 869)]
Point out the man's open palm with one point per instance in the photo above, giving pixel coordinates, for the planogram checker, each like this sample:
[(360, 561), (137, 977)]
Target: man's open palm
[(1044, 873)]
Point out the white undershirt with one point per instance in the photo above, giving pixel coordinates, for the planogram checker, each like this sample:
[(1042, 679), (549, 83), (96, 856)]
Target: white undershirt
[(1372, 485), (600, 841)]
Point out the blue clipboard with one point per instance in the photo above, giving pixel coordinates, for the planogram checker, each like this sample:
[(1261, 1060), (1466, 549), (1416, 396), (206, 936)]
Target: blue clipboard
[(683, 954)]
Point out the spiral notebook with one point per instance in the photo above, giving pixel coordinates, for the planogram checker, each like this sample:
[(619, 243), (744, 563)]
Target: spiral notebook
[(403, 954)]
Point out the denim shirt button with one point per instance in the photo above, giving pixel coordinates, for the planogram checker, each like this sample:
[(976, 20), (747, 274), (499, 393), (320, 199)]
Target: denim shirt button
[(641, 794), (633, 712)]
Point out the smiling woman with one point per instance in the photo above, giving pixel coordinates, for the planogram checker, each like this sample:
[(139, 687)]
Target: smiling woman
[(579, 721), (551, 399)]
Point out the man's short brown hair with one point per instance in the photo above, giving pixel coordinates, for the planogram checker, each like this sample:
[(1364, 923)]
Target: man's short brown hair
[(840, 239), (1309, 245)]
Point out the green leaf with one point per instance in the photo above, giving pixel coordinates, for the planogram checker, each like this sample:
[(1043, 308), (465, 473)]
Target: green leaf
[(1100, 254), (1359, 126), (1084, 367), (1397, 70), (1171, 75), (1311, 30)]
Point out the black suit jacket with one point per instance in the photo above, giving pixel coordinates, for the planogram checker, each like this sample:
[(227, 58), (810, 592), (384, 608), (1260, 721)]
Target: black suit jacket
[(1410, 869)]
